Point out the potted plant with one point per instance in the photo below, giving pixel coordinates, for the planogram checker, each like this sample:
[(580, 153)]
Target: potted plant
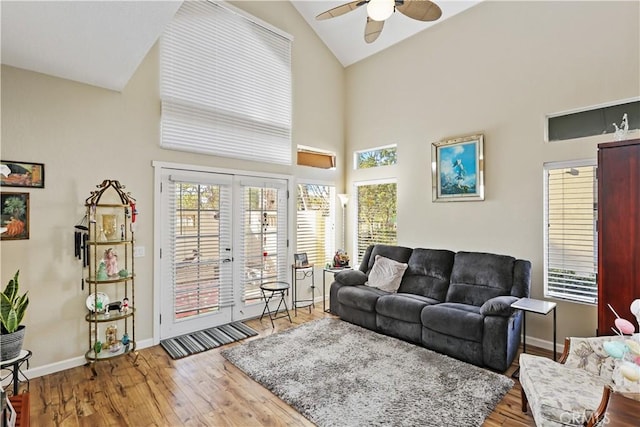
[(12, 309)]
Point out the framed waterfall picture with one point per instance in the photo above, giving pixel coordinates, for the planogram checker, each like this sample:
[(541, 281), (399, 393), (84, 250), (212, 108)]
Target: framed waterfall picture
[(457, 169)]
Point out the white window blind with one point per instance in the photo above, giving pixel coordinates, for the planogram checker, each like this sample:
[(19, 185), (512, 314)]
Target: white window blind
[(263, 242), (316, 222), (377, 215), (199, 229), (570, 231), (225, 85)]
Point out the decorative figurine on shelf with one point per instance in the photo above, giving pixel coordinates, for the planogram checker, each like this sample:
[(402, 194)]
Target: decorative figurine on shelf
[(126, 341), (102, 271), (341, 259), (111, 338), (621, 132), (111, 262), (125, 306), (97, 347)]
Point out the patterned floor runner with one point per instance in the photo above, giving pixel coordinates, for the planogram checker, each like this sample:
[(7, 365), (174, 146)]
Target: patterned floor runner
[(196, 342)]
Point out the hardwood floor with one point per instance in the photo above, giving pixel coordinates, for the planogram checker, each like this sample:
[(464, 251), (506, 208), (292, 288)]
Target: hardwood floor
[(199, 390)]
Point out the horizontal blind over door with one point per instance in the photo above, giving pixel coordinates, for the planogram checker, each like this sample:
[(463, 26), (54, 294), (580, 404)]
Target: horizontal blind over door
[(200, 225), (263, 235), (571, 238), (225, 85)]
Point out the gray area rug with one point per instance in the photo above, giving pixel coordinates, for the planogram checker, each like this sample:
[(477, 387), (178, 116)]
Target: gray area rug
[(338, 374)]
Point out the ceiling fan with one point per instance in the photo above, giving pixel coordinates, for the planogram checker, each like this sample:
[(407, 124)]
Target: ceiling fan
[(379, 10)]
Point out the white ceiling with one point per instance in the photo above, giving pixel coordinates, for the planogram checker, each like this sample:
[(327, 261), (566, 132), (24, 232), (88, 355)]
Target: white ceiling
[(344, 35), (102, 43)]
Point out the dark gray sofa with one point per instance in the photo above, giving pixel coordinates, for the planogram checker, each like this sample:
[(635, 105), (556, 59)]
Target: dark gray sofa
[(454, 303)]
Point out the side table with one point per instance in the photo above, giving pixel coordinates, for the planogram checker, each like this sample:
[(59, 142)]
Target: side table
[(15, 366), (539, 307), (305, 271), (274, 288), (332, 270)]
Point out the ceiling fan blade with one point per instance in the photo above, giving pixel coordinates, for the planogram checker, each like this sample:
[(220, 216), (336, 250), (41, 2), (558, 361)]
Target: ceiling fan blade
[(422, 10), (372, 30), (340, 10)]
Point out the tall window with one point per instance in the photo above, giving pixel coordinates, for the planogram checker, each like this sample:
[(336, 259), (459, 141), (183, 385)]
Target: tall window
[(316, 219), (383, 156), (570, 250), (377, 215)]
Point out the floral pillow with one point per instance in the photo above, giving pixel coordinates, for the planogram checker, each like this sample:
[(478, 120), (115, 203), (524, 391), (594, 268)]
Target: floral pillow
[(386, 274)]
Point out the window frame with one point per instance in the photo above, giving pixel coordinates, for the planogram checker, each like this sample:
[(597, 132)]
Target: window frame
[(356, 235), (357, 153), (330, 230), (550, 293)]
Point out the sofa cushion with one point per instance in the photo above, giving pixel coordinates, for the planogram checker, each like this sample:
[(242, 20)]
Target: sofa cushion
[(351, 277), (405, 307), (478, 277), (386, 274), (360, 297), (559, 394), (428, 273), (453, 319), (396, 253)]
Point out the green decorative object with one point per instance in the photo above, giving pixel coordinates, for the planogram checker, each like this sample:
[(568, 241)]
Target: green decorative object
[(12, 306), (102, 272), (97, 347), (123, 273)]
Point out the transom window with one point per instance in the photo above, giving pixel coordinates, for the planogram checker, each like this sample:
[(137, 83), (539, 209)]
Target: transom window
[(382, 156)]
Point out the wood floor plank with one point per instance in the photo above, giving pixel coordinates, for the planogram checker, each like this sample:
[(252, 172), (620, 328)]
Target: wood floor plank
[(199, 390)]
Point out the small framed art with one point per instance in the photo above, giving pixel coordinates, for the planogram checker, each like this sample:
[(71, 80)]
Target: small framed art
[(457, 169), (21, 174), (301, 260), (15, 216)]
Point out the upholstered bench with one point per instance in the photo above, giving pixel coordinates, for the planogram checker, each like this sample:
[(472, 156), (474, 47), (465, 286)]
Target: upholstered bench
[(576, 390)]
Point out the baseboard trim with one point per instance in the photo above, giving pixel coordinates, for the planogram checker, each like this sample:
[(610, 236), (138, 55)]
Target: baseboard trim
[(547, 345), (71, 363)]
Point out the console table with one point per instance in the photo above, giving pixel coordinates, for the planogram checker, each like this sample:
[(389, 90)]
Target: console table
[(305, 271)]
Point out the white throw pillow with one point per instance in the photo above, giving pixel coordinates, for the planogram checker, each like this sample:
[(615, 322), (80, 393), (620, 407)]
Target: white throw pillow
[(386, 274)]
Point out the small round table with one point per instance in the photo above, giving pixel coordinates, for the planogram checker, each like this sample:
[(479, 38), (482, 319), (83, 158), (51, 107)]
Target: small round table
[(274, 289), (14, 365)]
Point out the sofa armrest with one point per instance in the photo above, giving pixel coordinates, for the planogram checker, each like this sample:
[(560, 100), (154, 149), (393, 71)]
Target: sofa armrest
[(498, 306), (351, 277)]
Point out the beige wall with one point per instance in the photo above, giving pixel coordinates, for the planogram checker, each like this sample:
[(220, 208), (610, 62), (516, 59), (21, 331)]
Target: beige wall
[(496, 69), (84, 134)]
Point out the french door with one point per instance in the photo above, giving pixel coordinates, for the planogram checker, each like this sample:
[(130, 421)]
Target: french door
[(222, 236)]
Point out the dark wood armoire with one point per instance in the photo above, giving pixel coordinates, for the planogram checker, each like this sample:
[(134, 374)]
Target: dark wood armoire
[(618, 231)]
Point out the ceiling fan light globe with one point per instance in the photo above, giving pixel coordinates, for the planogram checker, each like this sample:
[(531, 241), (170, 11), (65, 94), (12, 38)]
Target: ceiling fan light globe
[(379, 10)]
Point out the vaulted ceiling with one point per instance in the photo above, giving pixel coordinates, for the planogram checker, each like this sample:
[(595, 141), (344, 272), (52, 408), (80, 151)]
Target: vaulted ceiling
[(101, 43)]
